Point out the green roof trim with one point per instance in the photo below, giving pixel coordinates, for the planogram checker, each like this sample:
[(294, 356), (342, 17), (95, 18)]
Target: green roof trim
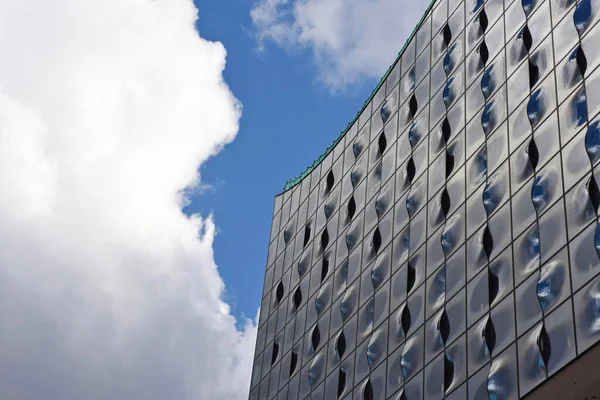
[(293, 182)]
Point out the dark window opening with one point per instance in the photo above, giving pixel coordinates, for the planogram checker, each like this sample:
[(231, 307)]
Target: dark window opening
[(525, 36), (533, 154), (493, 287), (324, 269), (275, 353), (293, 362), (315, 337), (410, 170), (341, 383), (340, 345), (488, 242), (448, 373), (593, 193), (307, 232), (447, 35), (330, 181), (489, 334), (382, 143), (368, 391), (543, 343), (483, 20), (445, 202), (446, 130), (449, 164), (405, 319), (444, 326), (413, 106), (351, 209), (376, 240), (279, 292), (411, 276), (534, 74), (324, 238), (297, 298), (484, 53), (581, 60)]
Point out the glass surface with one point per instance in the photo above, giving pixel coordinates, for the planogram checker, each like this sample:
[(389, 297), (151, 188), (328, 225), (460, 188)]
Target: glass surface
[(453, 233)]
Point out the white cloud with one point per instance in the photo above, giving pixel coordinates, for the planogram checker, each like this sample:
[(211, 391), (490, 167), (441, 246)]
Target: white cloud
[(108, 291), (350, 40)]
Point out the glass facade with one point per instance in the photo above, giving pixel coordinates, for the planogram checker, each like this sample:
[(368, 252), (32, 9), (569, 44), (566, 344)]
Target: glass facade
[(448, 245)]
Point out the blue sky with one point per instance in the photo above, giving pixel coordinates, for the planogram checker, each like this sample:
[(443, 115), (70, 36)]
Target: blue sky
[(289, 118)]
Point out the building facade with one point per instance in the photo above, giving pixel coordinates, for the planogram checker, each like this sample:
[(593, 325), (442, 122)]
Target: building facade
[(447, 244)]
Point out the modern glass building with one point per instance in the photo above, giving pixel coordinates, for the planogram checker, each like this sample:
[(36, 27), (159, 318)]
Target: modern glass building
[(447, 244)]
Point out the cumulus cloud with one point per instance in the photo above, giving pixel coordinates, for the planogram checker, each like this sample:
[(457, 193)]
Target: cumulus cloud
[(350, 40), (107, 290)]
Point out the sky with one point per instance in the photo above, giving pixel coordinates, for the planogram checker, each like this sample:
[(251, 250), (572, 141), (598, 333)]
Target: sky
[(141, 145), (301, 80)]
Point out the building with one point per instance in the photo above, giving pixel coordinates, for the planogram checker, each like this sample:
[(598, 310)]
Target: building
[(447, 244)]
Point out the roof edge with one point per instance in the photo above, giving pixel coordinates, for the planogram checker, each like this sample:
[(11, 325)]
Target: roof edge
[(295, 181)]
